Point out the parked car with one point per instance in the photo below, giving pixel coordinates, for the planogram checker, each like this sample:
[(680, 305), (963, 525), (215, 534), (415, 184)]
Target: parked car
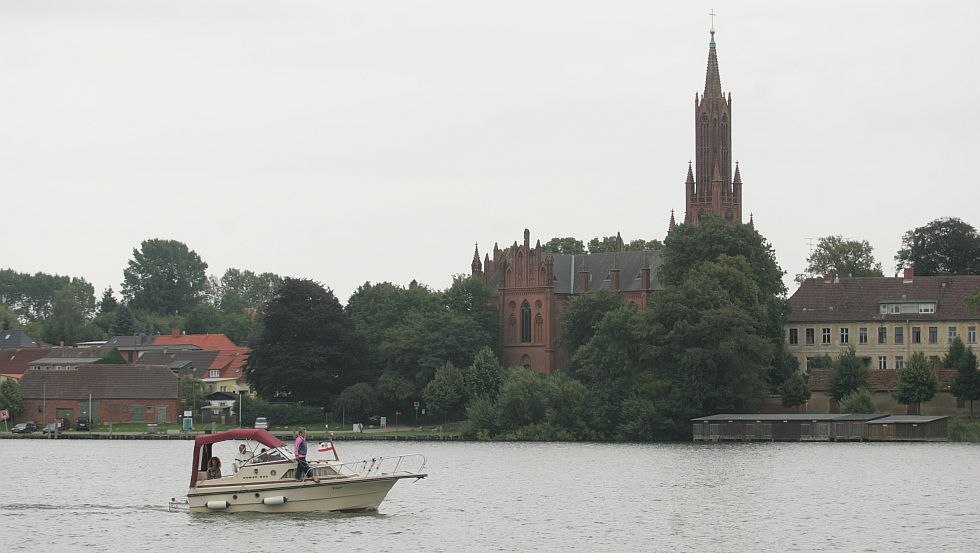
[(25, 427), (262, 422), (82, 424)]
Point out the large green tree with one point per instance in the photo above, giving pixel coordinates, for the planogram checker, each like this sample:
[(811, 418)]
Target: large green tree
[(966, 385), (33, 297), (445, 394), (10, 397), (916, 383), (239, 290), (794, 391), (582, 315), (848, 373), (566, 245), (165, 277), (68, 322), (838, 257), (946, 246), (308, 350), (484, 376)]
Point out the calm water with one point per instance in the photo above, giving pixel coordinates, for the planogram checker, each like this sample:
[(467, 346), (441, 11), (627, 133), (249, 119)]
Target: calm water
[(74, 495)]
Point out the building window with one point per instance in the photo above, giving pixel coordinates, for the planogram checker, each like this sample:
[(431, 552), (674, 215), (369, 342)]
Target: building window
[(927, 308), (882, 362), (809, 336), (916, 335), (215, 373), (933, 334), (825, 336), (882, 335), (844, 338), (794, 336), (899, 335), (971, 334), (899, 362), (526, 322), (951, 333), (863, 335)]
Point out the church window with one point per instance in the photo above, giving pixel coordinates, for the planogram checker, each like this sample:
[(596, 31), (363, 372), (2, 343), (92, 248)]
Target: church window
[(538, 326), (525, 322)]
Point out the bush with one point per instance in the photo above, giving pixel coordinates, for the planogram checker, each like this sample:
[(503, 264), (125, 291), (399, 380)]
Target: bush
[(964, 430), (279, 414), (858, 401)]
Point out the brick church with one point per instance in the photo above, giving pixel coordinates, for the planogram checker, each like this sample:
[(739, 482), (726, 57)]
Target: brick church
[(532, 287)]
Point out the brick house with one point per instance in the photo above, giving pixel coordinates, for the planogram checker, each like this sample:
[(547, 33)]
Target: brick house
[(116, 393)]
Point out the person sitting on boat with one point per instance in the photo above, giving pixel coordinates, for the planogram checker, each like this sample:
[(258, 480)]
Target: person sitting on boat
[(244, 455), (303, 470), (214, 468)]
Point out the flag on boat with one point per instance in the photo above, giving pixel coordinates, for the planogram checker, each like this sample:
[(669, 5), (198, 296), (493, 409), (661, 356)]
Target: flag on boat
[(325, 446)]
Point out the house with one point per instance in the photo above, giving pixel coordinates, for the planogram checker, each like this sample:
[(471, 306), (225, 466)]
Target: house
[(109, 393), (17, 360), (885, 319), (10, 339)]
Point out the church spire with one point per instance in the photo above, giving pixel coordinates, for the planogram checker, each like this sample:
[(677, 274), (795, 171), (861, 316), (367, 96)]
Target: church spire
[(712, 80), (476, 266)]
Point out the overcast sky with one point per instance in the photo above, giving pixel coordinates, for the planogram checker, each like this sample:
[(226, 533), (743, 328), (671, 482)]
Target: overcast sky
[(369, 141)]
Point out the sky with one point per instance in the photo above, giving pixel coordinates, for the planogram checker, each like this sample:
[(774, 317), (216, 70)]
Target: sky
[(377, 141)]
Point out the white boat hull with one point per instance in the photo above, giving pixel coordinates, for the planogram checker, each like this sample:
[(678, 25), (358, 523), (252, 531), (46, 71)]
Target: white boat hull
[(349, 494)]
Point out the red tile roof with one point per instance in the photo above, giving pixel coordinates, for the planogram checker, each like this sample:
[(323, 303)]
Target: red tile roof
[(203, 341), (16, 361), (858, 298)]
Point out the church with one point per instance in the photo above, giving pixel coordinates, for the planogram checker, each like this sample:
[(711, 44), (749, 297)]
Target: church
[(532, 287)]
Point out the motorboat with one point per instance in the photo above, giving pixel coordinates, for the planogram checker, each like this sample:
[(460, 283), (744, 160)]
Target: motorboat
[(262, 477)]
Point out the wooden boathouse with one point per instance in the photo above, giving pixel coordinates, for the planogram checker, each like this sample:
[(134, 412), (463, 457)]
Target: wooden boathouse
[(813, 427), (908, 428)]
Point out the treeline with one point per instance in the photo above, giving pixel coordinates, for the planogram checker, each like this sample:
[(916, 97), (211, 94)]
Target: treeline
[(165, 286)]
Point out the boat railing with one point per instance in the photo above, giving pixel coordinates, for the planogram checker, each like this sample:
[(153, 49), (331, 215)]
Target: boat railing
[(410, 463)]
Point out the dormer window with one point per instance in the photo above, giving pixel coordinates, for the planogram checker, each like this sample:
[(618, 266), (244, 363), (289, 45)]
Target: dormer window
[(215, 373), (927, 308)]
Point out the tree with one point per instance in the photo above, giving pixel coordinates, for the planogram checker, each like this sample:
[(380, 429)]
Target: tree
[(858, 401), (966, 385), (794, 391), (123, 324), (445, 394), (848, 373), (240, 290), (604, 244), (582, 315), (308, 350), (484, 376), (946, 246), (842, 258), (112, 357), (356, 402), (10, 398), (641, 245), (67, 322), (32, 297), (191, 393), (566, 245), (916, 383), (165, 277), (108, 302)]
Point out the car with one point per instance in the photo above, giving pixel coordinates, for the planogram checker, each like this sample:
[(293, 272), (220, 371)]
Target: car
[(262, 422), (83, 424), (25, 427)]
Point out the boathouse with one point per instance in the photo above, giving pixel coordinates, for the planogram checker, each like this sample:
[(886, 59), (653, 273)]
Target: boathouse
[(787, 427), (908, 428)]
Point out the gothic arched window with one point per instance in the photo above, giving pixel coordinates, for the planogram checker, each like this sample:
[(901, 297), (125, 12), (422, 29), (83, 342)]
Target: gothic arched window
[(525, 322), (538, 326)]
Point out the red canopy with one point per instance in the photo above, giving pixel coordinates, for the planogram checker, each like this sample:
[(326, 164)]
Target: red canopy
[(204, 441)]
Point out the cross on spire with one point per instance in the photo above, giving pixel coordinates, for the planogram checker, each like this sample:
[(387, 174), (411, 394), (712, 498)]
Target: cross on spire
[(712, 14)]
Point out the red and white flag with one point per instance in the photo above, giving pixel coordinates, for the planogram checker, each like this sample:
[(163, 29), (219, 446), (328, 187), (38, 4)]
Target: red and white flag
[(325, 446)]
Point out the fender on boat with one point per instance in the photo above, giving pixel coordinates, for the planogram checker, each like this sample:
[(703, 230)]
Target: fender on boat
[(216, 505), (275, 500)]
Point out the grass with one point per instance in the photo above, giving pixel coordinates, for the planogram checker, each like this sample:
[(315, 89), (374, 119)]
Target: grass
[(964, 429)]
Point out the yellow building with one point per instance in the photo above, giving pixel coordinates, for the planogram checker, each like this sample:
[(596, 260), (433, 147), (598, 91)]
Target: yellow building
[(885, 319)]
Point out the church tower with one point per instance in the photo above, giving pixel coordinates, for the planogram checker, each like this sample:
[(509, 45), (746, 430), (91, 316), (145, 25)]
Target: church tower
[(710, 187)]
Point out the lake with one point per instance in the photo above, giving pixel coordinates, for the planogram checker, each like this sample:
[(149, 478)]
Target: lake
[(92, 495)]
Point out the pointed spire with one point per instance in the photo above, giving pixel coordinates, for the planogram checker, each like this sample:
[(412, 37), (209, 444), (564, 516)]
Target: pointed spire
[(751, 222), (738, 176), (619, 242), (476, 266), (673, 224), (712, 80), (690, 174)]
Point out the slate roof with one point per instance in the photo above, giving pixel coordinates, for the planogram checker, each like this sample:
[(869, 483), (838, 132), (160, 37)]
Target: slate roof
[(858, 298), (68, 355), (102, 381), (16, 361), (16, 339), (881, 380), (599, 265)]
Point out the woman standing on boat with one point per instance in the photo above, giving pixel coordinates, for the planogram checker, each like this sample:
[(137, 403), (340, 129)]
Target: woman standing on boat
[(299, 451)]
